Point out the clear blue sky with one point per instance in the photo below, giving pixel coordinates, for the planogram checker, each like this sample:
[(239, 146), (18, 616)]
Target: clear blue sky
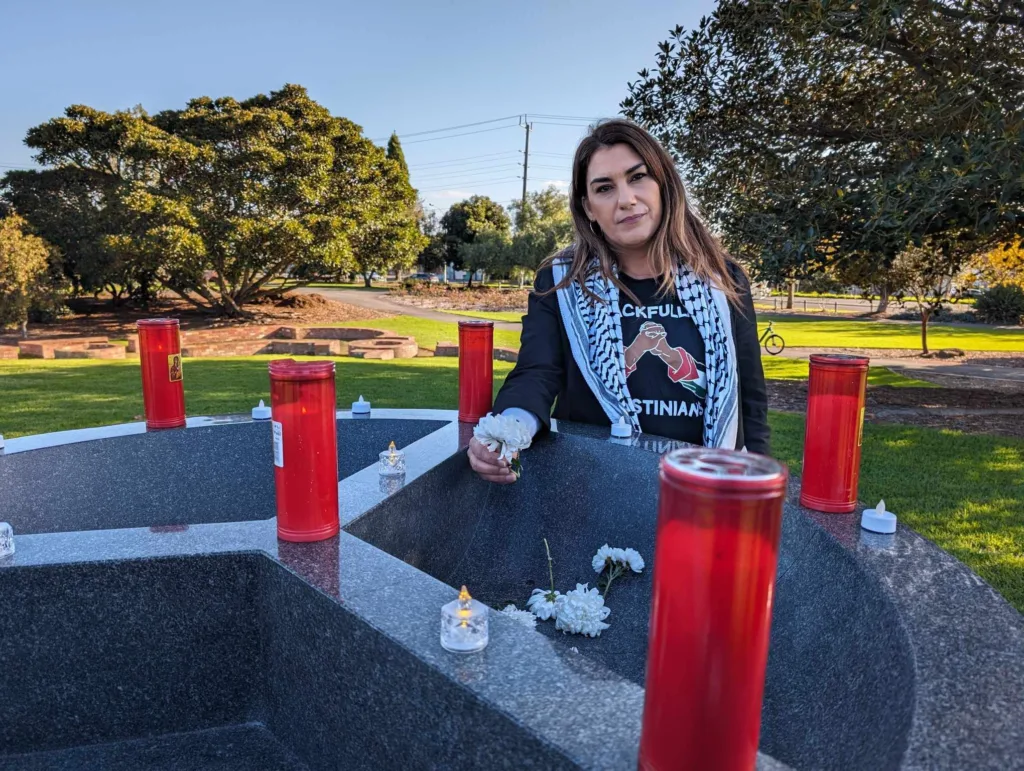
[(406, 66)]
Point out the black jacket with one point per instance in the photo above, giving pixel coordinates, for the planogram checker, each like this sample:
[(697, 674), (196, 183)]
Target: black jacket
[(546, 370)]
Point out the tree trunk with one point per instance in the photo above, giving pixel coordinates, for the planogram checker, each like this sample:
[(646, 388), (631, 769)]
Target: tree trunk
[(790, 293), (883, 298), (469, 284), (924, 330), (24, 329), (367, 280)]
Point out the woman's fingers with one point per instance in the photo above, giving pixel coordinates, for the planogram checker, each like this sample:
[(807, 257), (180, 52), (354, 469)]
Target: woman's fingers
[(488, 465)]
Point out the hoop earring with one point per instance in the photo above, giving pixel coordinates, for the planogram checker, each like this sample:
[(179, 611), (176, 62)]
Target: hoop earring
[(597, 231)]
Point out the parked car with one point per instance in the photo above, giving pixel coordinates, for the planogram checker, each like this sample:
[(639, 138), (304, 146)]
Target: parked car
[(432, 278)]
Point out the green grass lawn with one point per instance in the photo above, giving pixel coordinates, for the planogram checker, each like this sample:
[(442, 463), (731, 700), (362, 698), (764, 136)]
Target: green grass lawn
[(844, 333), (428, 333), (963, 492)]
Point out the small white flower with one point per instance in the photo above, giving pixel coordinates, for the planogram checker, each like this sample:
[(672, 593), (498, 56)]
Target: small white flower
[(503, 434), (574, 649), (581, 611), (600, 561), (632, 558), (542, 603), (524, 617)]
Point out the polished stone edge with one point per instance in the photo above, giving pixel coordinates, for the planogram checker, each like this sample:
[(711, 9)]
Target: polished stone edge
[(931, 591)]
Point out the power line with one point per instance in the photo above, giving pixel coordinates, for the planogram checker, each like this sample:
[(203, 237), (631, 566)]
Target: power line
[(452, 128), (464, 134), (549, 123), (468, 183), (562, 117), (467, 172), (454, 161), (555, 155)]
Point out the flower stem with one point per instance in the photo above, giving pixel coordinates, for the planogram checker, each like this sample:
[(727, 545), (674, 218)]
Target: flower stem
[(551, 567), (614, 573)]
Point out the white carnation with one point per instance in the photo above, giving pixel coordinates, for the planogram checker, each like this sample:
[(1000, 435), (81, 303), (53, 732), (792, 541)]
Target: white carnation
[(542, 603), (632, 558), (524, 617), (581, 611), (503, 434)]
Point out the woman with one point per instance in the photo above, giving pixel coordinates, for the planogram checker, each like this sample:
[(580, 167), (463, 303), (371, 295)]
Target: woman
[(644, 318)]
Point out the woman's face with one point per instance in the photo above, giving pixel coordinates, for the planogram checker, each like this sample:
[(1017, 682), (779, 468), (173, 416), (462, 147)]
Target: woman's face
[(622, 197)]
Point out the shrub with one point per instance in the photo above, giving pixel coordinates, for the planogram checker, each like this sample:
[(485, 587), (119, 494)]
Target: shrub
[(1003, 304)]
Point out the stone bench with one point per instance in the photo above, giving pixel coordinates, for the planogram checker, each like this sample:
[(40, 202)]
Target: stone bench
[(44, 348), (499, 354), (95, 351), (8, 352)]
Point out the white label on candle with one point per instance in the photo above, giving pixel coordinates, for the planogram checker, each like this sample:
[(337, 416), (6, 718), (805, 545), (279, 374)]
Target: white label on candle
[(278, 443)]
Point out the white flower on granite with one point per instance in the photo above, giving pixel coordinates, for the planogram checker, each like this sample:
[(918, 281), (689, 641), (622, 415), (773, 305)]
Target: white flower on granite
[(581, 611), (504, 435), (524, 617), (611, 562), (543, 603), (633, 559)]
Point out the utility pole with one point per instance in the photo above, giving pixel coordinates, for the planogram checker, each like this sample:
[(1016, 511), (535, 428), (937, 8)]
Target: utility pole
[(526, 167)]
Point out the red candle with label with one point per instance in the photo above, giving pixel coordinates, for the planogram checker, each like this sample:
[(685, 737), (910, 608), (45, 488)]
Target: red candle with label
[(305, 437), (834, 432), (719, 519), (163, 392), (476, 369)]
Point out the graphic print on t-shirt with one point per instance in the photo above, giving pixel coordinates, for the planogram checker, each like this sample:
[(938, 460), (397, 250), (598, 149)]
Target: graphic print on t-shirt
[(664, 362), (682, 368)]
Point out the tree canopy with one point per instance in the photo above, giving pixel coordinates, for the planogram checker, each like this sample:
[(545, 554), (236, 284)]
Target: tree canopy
[(219, 202), (818, 132)]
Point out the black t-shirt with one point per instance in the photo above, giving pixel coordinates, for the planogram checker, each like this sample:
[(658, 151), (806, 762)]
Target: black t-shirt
[(664, 362)]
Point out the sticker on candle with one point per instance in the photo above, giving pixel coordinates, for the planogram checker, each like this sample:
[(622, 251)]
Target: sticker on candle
[(278, 431), (174, 367)]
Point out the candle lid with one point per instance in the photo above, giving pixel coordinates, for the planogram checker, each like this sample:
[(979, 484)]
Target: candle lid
[(156, 323), (840, 359), (289, 369), (724, 470)]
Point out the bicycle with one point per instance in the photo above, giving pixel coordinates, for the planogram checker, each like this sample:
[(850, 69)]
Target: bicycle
[(773, 342)]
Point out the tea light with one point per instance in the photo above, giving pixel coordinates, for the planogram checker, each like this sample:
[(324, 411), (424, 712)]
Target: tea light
[(361, 408), (464, 624), (6, 540), (622, 429), (389, 484), (392, 461), (261, 411), (878, 520)]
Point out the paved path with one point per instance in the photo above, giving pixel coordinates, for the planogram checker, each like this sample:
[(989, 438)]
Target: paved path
[(380, 301), (947, 367)]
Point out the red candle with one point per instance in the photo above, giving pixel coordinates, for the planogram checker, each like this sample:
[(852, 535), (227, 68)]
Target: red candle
[(163, 393), (476, 369), (302, 404), (834, 432), (719, 518)]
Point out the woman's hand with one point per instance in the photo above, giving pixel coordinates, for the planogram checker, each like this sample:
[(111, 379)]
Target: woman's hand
[(488, 465)]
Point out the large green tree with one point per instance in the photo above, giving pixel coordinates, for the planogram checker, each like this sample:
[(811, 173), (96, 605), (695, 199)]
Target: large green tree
[(221, 202), (389, 238), (465, 220), (839, 133)]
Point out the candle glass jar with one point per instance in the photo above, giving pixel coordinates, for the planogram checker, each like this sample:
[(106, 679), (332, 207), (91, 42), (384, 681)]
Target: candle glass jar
[(464, 625)]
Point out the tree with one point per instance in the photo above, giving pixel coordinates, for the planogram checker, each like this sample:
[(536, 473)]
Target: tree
[(434, 254), (464, 220), (542, 228), (487, 252), (395, 154), (225, 200), (923, 273), (1002, 265), (26, 283), (820, 132)]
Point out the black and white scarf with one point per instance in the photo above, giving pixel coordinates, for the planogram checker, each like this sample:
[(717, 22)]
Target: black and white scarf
[(595, 337)]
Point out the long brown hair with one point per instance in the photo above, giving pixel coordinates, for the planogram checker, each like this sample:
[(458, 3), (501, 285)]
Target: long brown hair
[(681, 237)]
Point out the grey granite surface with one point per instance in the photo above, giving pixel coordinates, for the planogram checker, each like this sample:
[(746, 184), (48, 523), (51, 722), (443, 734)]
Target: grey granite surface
[(892, 630), (205, 473)]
